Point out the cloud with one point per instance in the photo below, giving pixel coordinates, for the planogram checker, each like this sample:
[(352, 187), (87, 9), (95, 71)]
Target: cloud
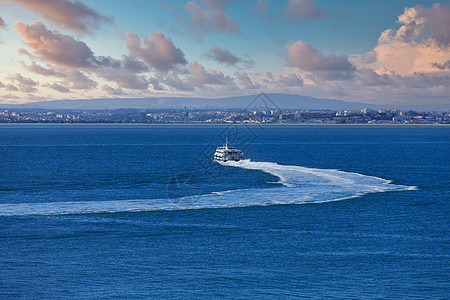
[(174, 81), (367, 77), (305, 57), (2, 26), (57, 87), (159, 52), (212, 16), (205, 16), (291, 80), (224, 56), (55, 47), (200, 76), (420, 44), (304, 10), (38, 69), (9, 96), (78, 81), (421, 24), (246, 81), (68, 53), (26, 85), (112, 91), (421, 80), (443, 66), (125, 79), (75, 16), (261, 7), (11, 88), (134, 65), (125, 73)]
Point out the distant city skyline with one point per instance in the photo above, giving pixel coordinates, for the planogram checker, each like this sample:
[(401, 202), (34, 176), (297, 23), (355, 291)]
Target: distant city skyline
[(376, 52)]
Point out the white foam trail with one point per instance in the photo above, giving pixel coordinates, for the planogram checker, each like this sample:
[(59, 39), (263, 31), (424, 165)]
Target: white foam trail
[(299, 185)]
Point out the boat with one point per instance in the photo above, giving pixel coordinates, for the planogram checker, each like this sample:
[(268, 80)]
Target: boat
[(227, 153)]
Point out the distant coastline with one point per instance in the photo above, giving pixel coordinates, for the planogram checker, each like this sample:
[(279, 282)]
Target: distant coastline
[(255, 116), (215, 124)]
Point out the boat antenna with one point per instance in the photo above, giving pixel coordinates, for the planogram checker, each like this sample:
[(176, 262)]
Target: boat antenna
[(226, 142)]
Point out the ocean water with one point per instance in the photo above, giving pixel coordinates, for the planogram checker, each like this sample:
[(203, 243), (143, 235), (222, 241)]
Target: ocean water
[(137, 211)]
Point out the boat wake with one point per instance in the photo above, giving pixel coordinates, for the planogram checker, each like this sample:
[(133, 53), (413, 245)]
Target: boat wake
[(299, 185)]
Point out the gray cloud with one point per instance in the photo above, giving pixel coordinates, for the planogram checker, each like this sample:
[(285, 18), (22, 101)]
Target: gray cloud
[(11, 88), (38, 69), (212, 16), (262, 7), (57, 87), (291, 80), (2, 26), (245, 80), (75, 16), (305, 57), (443, 66), (9, 96), (112, 91), (421, 80), (125, 79), (78, 81), (26, 85), (134, 65), (200, 76), (159, 52), (224, 56), (174, 81), (304, 10), (367, 77)]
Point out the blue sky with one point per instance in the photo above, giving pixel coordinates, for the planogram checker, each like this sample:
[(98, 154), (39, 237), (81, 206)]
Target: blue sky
[(381, 52)]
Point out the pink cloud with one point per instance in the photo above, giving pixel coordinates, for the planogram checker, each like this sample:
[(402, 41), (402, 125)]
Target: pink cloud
[(331, 67), (75, 16), (159, 52), (68, 53), (55, 47), (420, 44)]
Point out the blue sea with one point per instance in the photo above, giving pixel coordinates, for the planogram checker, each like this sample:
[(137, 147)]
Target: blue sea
[(142, 211)]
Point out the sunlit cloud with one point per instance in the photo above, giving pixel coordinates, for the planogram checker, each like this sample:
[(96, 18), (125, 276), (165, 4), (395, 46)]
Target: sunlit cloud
[(75, 16)]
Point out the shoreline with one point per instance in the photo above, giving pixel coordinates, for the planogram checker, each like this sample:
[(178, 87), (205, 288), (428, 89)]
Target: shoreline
[(206, 124)]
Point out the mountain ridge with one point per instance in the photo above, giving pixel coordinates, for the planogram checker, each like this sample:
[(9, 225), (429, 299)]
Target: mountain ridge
[(263, 100)]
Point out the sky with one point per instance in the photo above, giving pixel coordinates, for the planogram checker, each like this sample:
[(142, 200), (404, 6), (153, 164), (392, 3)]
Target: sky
[(377, 52)]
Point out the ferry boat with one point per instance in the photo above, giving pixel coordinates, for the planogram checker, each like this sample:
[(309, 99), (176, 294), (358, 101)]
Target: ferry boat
[(227, 153)]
